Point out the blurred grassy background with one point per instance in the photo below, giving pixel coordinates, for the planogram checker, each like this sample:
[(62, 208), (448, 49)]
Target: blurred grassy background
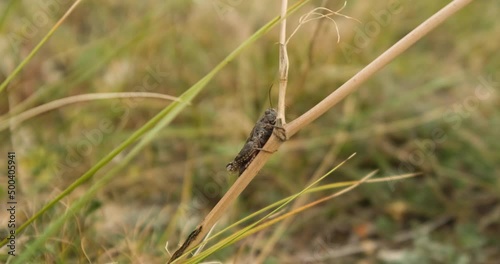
[(433, 110)]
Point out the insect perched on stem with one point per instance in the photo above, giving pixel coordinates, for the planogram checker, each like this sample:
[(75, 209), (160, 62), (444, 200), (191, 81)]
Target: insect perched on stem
[(260, 134)]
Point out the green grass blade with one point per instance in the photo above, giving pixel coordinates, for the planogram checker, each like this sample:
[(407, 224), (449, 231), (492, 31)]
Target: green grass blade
[(37, 246), (171, 111), (241, 233), (37, 48)]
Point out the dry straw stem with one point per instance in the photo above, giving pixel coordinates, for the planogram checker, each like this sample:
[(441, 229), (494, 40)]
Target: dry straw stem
[(315, 14), (347, 88), (17, 119), (283, 66), (352, 84)]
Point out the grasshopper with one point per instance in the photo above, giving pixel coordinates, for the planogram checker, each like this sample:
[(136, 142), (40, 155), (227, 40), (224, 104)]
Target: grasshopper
[(260, 134)]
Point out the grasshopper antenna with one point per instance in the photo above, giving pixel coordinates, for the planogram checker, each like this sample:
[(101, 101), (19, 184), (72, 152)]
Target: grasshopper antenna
[(270, 101)]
